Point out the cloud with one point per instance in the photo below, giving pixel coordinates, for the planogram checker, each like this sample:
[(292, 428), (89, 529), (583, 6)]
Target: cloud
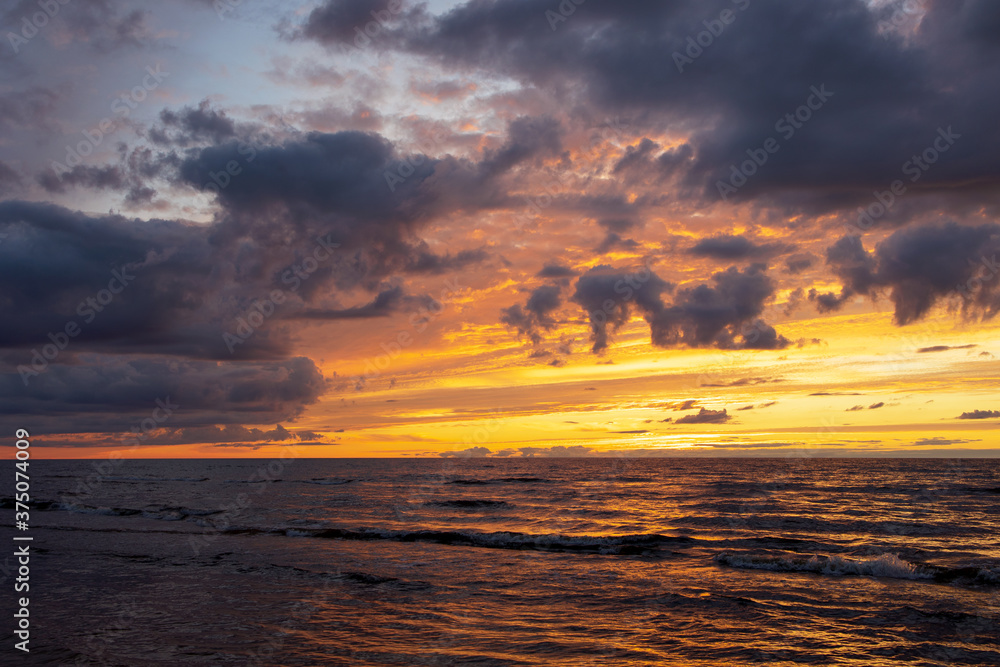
[(743, 382), (384, 304), (342, 21), (940, 442), (557, 451), (527, 138), (918, 267), (613, 241), (619, 59), (761, 406), (619, 225), (112, 393), (609, 296), (980, 414), (730, 247), (701, 316), (705, 416), (470, 453), (556, 271), (195, 124), (799, 262), (536, 314), (945, 348), (714, 315)]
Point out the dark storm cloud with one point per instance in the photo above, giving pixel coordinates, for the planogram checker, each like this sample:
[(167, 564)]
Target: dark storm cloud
[(705, 416), (556, 271), (341, 21), (385, 303), (190, 281), (613, 241), (636, 156), (889, 92), (536, 314), (333, 184), (609, 296), (94, 177), (725, 314), (422, 260), (55, 259), (619, 225), (194, 124), (919, 267), (730, 247), (714, 315), (799, 262), (645, 162), (980, 414), (115, 392), (344, 172), (172, 289), (527, 138), (135, 173), (229, 435)]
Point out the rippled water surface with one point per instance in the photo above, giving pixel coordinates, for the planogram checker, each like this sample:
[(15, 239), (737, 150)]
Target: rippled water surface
[(516, 562)]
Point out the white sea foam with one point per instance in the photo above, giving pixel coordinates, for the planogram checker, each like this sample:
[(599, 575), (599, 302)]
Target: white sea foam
[(883, 565)]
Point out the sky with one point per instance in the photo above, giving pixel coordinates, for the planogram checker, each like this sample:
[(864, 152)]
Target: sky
[(500, 228)]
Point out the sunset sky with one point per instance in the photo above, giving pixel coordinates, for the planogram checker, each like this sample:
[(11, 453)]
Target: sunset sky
[(501, 228)]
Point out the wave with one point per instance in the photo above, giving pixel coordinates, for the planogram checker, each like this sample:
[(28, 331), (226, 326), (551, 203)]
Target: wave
[(620, 545), (499, 480), (251, 481), (326, 482), (468, 503), (884, 565), (163, 513), (758, 517), (154, 479)]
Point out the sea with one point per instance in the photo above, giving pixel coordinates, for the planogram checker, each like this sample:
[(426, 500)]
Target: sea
[(520, 561)]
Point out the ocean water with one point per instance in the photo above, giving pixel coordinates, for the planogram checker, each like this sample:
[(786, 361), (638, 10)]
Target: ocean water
[(610, 561)]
